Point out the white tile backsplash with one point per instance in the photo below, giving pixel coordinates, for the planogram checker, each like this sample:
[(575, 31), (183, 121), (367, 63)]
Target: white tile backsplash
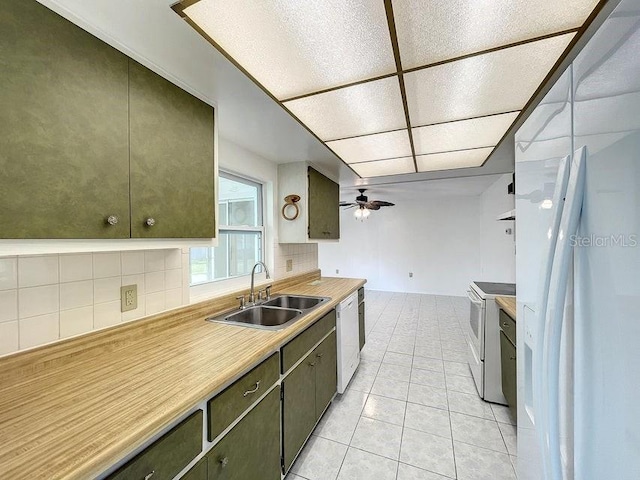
[(59, 296), (304, 258), (40, 329), (35, 301), (8, 273), (38, 270), (106, 264), (76, 267), (8, 305)]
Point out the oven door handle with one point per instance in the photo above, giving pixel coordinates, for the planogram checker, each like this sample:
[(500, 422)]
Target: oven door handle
[(474, 298)]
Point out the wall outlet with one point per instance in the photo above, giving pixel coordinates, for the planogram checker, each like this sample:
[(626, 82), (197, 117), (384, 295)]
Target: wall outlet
[(337, 271), (128, 298), (410, 274), (289, 265)]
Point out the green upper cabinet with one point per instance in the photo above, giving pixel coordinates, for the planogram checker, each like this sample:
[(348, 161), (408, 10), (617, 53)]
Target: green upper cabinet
[(94, 145), (324, 210), (64, 154), (318, 215), (172, 165)]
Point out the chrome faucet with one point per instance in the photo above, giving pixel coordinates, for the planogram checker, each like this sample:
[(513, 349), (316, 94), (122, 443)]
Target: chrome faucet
[(252, 296)]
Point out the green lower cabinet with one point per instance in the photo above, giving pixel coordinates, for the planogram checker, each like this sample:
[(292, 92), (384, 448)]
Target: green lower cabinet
[(326, 373), (509, 373), (197, 472), (166, 457), (299, 414), (361, 325), (251, 450)]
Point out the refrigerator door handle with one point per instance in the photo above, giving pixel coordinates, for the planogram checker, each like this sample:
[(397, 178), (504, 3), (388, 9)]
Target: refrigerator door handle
[(556, 302), (538, 378)]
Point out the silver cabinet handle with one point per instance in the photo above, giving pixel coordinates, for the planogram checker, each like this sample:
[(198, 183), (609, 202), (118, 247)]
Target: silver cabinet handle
[(505, 324), (150, 222), (112, 220), (312, 364), (224, 461), (149, 475), (319, 355), (248, 392)]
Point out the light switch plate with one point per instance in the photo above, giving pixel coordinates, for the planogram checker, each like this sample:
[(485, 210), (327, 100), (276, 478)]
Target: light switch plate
[(128, 298)]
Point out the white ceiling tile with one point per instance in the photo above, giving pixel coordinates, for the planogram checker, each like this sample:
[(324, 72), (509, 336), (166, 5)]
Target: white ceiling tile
[(495, 82), (394, 166), (452, 160), (293, 48), (358, 110), (436, 31), (463, 134), (373, 147)]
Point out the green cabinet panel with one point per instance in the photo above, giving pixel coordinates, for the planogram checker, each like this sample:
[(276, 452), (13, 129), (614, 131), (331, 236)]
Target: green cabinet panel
[(172, 164), (361, 324), (224, 408), (64, 153), (509, 373), (251, 450), (326, 373), (197, 472), (298, 409), (167, 456), (299, 346), (324, 209), (508, 326)]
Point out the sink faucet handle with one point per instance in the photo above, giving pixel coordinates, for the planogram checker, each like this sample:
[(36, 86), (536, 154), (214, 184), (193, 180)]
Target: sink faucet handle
[(242, 301), (267, 291), (260, 295)]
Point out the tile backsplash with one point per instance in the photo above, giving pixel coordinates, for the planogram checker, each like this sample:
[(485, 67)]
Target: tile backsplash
[(44, 298), (303, 256)]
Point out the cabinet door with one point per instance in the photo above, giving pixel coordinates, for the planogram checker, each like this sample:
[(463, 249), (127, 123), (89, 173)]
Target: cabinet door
[(299, 412), (361, 324), (326, 372), (172, 165), (509, 388), (64, 153), (251, 450), (324, 210)]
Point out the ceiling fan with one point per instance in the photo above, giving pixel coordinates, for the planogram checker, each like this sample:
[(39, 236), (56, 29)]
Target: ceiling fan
[(364, 205)]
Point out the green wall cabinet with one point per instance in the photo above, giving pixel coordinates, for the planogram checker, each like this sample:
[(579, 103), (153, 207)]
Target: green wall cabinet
[(307, 391), (93, 144), (64, 153), (251, 450), (324, 207)]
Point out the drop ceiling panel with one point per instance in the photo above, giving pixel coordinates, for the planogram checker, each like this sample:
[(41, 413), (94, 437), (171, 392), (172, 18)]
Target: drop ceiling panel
[(357, 110), (293, 48), (463, 134), (373, 147), (453, 160), (394, 166), (449, 29), (486, 84)]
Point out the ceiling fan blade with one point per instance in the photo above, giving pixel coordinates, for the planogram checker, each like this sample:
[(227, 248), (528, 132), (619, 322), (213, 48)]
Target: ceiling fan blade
[(347, 204), (381, 203), (351, 206), (372, 206)]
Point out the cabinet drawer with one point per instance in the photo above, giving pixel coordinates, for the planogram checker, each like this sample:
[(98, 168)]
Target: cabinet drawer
[(296, 348), (508, 326), (360, 294), (224, 408), (167, 456)]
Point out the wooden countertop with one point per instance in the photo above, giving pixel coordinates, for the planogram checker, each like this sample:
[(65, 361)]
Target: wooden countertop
[(73, 409), (508, 304)]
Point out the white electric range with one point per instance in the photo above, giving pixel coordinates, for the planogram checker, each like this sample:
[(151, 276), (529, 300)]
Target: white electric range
[(483, 337)]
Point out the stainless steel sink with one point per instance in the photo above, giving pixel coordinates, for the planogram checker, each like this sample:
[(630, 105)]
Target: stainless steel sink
[(299, 302), (274, 314)]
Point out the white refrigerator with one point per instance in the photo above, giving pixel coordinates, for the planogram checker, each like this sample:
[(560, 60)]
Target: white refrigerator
[(578, 265)]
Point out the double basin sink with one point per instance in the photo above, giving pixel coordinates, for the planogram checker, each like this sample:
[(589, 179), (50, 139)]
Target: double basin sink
[(277, 313)]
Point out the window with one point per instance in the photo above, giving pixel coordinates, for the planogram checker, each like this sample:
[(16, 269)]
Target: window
[(241, 233)]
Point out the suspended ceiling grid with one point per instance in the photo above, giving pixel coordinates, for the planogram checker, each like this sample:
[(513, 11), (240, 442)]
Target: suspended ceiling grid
[(396, 87)]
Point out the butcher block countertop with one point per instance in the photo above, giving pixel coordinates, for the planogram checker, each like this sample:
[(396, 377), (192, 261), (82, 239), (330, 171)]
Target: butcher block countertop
[(75, 408), (508, 304)]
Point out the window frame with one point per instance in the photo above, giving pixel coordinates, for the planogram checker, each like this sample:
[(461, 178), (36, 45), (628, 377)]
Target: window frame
[(237, 229)]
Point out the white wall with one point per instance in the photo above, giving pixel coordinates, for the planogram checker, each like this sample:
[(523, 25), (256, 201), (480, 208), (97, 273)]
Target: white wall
[(433, 237), (498, 258)]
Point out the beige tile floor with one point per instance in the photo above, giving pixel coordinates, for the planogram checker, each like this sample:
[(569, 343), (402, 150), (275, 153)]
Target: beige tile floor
[(411, 412)]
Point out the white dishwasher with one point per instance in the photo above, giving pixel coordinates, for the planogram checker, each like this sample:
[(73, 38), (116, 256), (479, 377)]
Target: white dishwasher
[(347, 332)]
